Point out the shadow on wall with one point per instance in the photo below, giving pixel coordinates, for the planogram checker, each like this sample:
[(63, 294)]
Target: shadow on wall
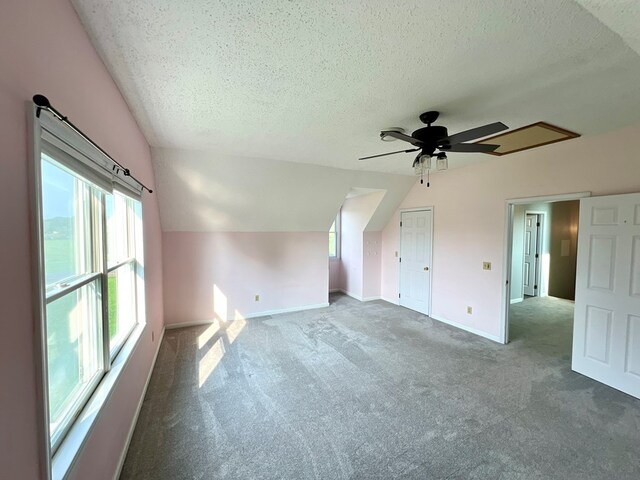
[(218, 337)]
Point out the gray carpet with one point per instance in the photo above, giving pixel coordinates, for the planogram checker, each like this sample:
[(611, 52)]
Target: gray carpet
[(371, 390)]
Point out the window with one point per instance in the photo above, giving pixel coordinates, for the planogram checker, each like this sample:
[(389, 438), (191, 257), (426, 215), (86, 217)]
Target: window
[(334, 238), (121, 214), (90, 266)]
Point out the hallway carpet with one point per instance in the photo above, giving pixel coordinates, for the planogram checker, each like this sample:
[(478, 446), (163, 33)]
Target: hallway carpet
[(375, 391)]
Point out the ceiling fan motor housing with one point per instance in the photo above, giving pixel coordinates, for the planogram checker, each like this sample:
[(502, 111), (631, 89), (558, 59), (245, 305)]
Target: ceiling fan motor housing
[(430, 137)]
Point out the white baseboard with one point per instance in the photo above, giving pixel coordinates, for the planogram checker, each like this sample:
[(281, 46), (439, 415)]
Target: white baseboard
[(286, 310), (356, 296), (335, 290), (371, 299), (249, 315), (352, 295), (393, 301), (516, 300), (123, 456), (188, 324), (475, 331)]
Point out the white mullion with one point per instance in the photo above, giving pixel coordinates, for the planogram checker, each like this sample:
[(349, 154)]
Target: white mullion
[(104, 275)]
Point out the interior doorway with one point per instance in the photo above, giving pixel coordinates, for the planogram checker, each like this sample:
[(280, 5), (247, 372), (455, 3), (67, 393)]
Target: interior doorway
[(540, 267)]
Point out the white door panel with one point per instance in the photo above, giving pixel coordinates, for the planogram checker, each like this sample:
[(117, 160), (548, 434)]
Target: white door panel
[(529, 269), (415, 260), (606, 336)]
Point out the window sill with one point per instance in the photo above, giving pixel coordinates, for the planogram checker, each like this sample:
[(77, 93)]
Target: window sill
[(65, 457)]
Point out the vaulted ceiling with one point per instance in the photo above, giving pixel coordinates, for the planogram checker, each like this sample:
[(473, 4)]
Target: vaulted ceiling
[(314, 82)]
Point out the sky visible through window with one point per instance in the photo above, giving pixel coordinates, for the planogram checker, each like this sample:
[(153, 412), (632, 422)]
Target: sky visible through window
[(57, 191)]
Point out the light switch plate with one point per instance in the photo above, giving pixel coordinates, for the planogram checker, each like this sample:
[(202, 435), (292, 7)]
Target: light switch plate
[(486, 265)]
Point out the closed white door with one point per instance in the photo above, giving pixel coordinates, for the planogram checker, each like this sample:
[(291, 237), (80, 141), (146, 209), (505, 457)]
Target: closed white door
[(606, 333), (530, 267), (415, 260)]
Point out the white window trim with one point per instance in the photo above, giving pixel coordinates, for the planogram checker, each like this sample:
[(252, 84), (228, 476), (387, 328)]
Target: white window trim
[(58, 466)]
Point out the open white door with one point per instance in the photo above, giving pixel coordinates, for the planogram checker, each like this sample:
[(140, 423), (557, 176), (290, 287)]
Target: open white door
[(606, 332), (415, 260), (530, 267)]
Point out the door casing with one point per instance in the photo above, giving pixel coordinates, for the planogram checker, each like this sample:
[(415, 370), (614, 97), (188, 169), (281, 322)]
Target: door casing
[(508, 245)]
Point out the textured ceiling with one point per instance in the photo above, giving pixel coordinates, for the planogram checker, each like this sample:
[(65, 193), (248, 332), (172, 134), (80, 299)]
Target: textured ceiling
[(314, 81), (621, 16)]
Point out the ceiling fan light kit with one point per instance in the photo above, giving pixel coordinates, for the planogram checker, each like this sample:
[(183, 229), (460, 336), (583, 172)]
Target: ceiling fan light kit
[(442, 162), (431, 138)]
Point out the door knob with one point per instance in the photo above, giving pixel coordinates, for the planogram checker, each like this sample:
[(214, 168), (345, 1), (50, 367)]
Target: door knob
[(426, 269)]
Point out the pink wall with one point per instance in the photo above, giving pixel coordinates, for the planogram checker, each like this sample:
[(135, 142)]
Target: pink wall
[(469, 216), (355, 215), (371, 264), (44, 49), (216, 274), (335, 281), (352, 225)]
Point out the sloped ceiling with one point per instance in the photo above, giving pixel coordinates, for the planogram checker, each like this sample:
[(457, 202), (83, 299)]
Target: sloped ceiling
[(203, 191), (259, 109), (314, 81), (621, 16)]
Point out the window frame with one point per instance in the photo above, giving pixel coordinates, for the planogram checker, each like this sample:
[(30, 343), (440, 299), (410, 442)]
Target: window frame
[(58, 457), (337, 234)]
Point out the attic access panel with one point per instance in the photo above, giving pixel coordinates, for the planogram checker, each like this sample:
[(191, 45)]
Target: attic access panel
[(531, 136)]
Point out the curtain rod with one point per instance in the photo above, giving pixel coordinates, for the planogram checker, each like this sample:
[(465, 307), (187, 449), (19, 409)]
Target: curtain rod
[(42, 103)]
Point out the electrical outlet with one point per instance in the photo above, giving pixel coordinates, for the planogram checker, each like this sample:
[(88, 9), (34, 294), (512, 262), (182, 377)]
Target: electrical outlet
[(257, 298), (469, 310), (486, 265)]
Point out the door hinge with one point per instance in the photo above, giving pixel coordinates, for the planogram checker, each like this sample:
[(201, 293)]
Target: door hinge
[(400, 223), (398, 295), (538, 224), (536, 255), (400, 259), (535, 287)]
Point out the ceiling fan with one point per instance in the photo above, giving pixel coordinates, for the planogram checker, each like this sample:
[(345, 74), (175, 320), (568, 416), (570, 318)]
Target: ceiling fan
[(431, 138)]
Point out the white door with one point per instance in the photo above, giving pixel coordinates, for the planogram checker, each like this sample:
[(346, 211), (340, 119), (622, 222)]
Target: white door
[(606, 330), (530, 267), (415, 260)]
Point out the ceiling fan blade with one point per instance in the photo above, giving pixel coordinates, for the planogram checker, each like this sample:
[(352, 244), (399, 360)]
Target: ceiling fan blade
[(474, 133), (401, 136), (469, 148), (390, 153)]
